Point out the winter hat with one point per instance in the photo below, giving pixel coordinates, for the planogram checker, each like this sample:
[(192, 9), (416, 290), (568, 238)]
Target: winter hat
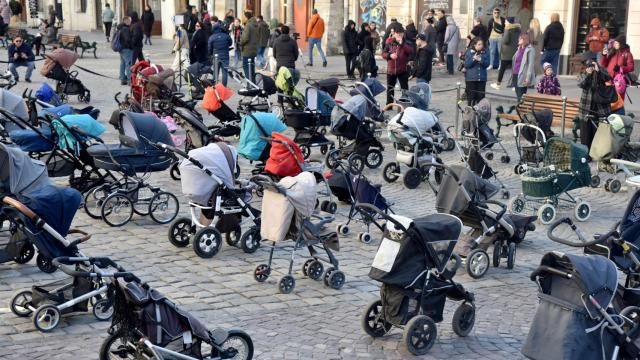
[(595, 21), (421, 37), (622, 39), (545, 66)]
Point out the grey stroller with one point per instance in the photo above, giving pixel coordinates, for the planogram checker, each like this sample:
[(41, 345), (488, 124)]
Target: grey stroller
[(476, 132)]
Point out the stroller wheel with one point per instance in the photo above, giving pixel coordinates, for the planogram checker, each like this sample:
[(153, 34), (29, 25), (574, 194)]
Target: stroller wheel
[(519, 169), (250, 240), (21, 303), (511, 255), (103, 309), (505, 159), (631, 314), (94, 199), (420, 334), (232, 238), (163, 207), (356, 164), (262, 272), (174, 172), (315, 269), (324, 149), (497, 253), (342, 229), (239, 344), (306, 151), (26, 254), (546, 213), (116, 346), (517, 205), (489, 156), (615, 186), (117, 210), (373, 322), (412, 178), (207, 242), (373, 159), (305, 266), (332, 207), (335, 279), (448, 144), (46, 318), (365, 238), (595, 181), (477, 263), (286, 284), (331, 160), (505, 194), (463, 319), (582, 211), (180, 231), (390, 172), (44, 264)]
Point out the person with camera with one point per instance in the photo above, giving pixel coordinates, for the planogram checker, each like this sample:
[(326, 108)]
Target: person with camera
[(476, 62), (618, 59), (20, 54), (595, 101), (397, 53)]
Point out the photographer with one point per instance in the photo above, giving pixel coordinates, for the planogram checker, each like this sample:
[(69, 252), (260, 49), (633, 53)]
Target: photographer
[(397, 53), (476, 61), (595, 101)]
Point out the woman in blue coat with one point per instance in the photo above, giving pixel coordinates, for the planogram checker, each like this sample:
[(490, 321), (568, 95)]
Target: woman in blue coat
[(219, 44), (476, 61)]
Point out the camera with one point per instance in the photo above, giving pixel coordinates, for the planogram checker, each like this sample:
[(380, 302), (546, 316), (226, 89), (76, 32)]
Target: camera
[(296, 36), (590, 63)]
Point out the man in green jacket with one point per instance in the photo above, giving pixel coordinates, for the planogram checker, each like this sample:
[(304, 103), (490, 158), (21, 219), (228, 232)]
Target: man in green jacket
[(263, 39), (249, 42)]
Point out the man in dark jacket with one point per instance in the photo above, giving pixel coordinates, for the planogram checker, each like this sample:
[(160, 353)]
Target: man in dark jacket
[(363, 40), (137, 37), (397, 53), (263, 39), (285, 49), (190, 20), (441, 29), (350, 47), (198, 56), (424, 59), (126, 52), (147, 23), (393, 26), (249, 45), (218, 47), (20, 54), (553, 39)]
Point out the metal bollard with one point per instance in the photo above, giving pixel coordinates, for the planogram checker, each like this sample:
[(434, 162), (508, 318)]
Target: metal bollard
[(458, 89), (216, 68), (250, 63), (564, 115)]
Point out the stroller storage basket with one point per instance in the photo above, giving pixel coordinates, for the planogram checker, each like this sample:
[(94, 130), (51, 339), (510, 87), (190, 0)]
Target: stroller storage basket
[(299, 119), (545, 182)]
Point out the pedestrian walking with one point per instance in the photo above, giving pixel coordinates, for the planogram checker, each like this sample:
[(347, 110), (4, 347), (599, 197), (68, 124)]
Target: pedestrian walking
[(271, 60), (249, 46), (478, 31), (375, 36), (476, 62), (597, 38), (126, 49), (553, 39), (618, 59), (285, 50), (181, 50), (548, 83), (315, 31), (495, 28), (363, 40), (107, 20), (424, 58), (535, 38), (218, 49), (5, 11), (451, 42), (263, 39), (147, 23), (16, 11), (507, 49), (398, 54), (236, 35), (595, 102), (20, 54), (137, 37), (350, 47), (441, 29), (524, 73)]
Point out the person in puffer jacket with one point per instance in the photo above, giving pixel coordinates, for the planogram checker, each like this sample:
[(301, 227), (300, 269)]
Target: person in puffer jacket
[(218, 45), (398, 54), (548, 83)]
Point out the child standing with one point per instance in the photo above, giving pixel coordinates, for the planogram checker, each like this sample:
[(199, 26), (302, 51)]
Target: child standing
[(549, 83)]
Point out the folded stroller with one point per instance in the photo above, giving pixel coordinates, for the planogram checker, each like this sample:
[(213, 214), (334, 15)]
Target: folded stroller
[(288, 212), (309, 123), (468, 196), (565, 169), (56, 67), (574, 319), (146, 322), (476, 132), (416, 264), (208, 180), (116, 201)]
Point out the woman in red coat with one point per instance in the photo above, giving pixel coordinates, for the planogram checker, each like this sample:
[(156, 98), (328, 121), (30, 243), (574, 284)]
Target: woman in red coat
[(618, 59)]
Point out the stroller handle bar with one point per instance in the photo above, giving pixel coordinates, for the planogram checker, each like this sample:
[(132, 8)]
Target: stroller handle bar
[(121, 273), (547, 269), (374, 209), (101, 262), (581, 235)]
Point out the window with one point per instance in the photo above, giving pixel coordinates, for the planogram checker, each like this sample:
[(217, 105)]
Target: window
[(81, 6), (464, 7)]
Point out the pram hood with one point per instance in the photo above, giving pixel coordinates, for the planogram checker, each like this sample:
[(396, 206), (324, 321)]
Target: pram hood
[(372, 89), (66, 58), (451, 197), (58, 111), (19, 174), (85, 123), (418, 121), (14, 104), (253, 128), (357, 106), (320, 101), (611, 137), (419, 95), (142, 128), (483, 109), (56, 206), (196, 184)]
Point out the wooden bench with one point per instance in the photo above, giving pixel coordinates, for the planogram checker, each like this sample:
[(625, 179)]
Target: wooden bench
[(13, 33), (537, 102), (73, 42)]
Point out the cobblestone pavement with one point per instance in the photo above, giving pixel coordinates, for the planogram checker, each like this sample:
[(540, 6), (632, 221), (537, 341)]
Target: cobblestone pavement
[(314, 321)]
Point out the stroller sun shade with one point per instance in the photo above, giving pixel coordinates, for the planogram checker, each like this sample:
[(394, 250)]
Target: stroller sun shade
[(66, 58), (19, 174), (143, 128), (255, 127), (372, 89), (419, 96), (419, 121), (196, 184), (451, 198), (14, 104), (56, 206)]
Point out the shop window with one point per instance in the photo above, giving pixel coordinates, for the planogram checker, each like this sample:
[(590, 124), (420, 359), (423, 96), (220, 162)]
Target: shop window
[(81, 6), (612, 14)]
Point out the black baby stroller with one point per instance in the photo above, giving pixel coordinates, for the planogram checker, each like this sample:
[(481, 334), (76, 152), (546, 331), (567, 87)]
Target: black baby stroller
[(255, 96), (531, 136), (574, 320), (116, 201), (465, 194), (476, 132), (56, 67), (416, 264), (328, 85)]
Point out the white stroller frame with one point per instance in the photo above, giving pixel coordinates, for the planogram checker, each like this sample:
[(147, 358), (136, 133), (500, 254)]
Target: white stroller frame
[(473, 140), (523, 165), (255, 100)]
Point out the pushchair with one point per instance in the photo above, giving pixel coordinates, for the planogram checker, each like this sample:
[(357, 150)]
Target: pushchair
[(416, 264), (255, 129), (574, 319), (151, 83), (289, 97), (57, 67), (50, 301), (465, 194), (288, 212), (116, 201), (476, 132), (612, 141), (146, 323), (228, 120), (328, 85), (565, 169), (208, 180), (415, 147), (530, 136), (255, 96)]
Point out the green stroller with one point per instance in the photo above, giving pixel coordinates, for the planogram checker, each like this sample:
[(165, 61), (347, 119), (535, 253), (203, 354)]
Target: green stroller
[(565, 169)]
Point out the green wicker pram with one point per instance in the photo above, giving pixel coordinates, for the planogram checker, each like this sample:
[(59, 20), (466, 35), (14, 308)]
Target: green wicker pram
[(565, 168)]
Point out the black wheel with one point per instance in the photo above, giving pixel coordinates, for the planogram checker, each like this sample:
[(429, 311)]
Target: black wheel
[(332, 207), (44, 264), (517, 205), (497, 253), (477, 263), (327, 273), (606, 185), (315, 270), (595, 181), (46, 317), (324, 149), (489, 156), (505, 194), (412, 178), (332, 159), (546, 214), (463, 319), (336, 279), (103, 309), (518, 169), (373, 322), (26, 254), (356, 164), (505, 159), (250, 240), (323, 205), (174, 172), (232, 238), (180, 232), (420, 334), (164, 207), (21, 303), (238, 345), (390, 172), (262, 272), (373, 159), (286, 284), (448, 144), (305, 266), (115, 346), (93, 200), (306, 151), (511, 255), (615, 186), (117, 210), (207, 242)]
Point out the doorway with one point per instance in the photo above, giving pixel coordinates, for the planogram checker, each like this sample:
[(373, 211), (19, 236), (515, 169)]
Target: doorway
[(301, 14)]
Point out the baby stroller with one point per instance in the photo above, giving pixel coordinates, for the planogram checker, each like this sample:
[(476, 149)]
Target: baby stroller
[(146, 323), (574, 319), (476, 132), (115, 202), (56, 67), (208, 180), (255, 96), (530, 136), (328, 85), (464, 194), (255, 129), (228, 120), (565, 169), (409, 132), (416, 264), (288, 211), (288, 96), (151, 84)]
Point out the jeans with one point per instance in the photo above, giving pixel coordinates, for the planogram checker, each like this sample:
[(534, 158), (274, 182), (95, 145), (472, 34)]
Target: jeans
[(237, 57), (245, 67), (504, 64), (520, 91), (420, 80), (107, 29), (28, 64), (316, 42), (391, 84), (552, 57), (450, 64), (260, 60), (494, 52), (222, 66), (126, 57)]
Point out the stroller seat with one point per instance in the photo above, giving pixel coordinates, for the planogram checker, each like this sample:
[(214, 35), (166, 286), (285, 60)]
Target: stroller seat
[(249, 92)]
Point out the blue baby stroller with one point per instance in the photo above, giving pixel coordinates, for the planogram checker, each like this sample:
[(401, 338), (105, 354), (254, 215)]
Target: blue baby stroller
[(116, 201), (255, 130)]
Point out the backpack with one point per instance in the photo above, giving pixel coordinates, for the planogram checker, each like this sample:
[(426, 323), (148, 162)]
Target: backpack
[(115, 41)]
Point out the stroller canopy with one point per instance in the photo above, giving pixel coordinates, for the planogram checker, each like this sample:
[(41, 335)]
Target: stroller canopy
[(14, 104), (328, 85), (420, 96), (357, 106), (143, 128), (418, 121), (83, 122), (253, 128), (56, 206), (370, 88), (58, 111), (19, 174), (451, 197), (320, 101), (286, 82), (66, 58), (196, 184)]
